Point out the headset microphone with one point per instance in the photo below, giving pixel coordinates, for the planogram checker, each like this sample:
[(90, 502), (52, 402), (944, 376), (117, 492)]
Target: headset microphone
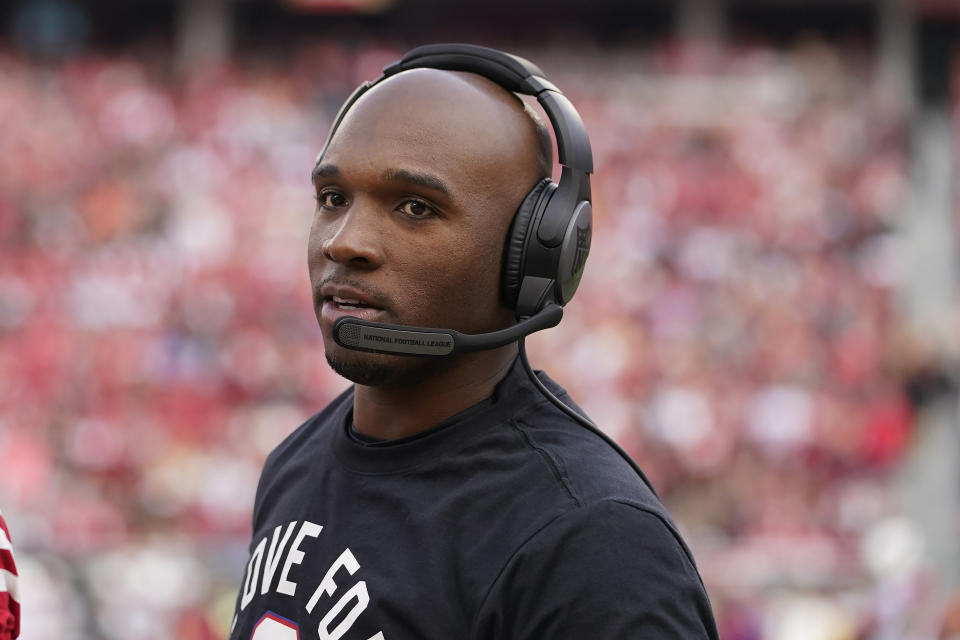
[(376, 337)]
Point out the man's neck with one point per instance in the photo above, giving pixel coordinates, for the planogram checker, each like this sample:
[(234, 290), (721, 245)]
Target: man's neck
[(389, 413)]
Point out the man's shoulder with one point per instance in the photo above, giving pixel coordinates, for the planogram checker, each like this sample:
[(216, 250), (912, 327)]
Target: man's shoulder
[(621, 563), (589, 467), (640, 526), (592, 468), (644, 527)]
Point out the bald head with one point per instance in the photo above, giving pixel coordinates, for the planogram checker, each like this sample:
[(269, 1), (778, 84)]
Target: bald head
[(450, 100)]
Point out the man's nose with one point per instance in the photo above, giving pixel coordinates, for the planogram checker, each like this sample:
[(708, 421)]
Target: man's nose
[(354, 239)]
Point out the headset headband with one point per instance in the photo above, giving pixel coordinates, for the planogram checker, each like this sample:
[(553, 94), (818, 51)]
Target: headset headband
[(514, 74)]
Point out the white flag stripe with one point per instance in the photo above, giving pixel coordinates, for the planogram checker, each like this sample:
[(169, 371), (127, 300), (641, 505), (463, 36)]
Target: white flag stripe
[(10, 583), (5, 542)]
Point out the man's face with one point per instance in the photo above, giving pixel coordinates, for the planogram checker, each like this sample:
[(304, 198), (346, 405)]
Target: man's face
[(414, 198)]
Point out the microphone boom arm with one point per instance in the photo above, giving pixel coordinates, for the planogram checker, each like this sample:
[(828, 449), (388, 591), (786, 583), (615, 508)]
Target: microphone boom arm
[(396, 339)]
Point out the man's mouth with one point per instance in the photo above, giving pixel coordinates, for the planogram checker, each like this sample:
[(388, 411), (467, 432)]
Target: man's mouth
[(338, 299), (347, 303)]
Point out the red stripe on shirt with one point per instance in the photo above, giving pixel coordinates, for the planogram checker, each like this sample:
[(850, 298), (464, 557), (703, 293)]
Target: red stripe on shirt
[(9, 617), (6, 561)]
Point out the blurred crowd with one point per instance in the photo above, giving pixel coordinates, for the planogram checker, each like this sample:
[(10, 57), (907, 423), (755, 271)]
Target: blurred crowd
[(736, 329)]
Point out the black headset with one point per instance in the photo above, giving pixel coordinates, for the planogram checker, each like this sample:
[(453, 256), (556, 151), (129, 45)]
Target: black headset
[(549, 239)]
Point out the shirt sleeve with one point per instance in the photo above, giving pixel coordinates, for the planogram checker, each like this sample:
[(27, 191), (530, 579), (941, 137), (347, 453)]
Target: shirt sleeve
[(9, 587), (607, 571)]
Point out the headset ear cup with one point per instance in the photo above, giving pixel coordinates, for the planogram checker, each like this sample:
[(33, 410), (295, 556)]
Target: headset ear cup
[(516, 242)]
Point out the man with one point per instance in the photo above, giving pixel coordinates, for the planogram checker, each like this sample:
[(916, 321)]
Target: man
[(447, 498)]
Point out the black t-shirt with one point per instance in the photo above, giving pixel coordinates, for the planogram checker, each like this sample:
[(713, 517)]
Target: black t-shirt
[(508, 521)]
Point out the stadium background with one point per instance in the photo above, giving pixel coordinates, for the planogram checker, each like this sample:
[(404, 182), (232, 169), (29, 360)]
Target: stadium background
[(769, 321)]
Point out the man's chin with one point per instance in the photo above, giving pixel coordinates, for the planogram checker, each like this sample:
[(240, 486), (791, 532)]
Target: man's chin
[(378, 370)]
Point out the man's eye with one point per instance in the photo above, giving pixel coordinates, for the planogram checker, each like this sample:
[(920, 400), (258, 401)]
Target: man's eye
[(330, 199), (416, 209)]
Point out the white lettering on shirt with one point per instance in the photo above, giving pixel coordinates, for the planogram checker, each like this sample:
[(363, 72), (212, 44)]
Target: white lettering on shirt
[(327, 585), (253, 572), (295, 556)]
